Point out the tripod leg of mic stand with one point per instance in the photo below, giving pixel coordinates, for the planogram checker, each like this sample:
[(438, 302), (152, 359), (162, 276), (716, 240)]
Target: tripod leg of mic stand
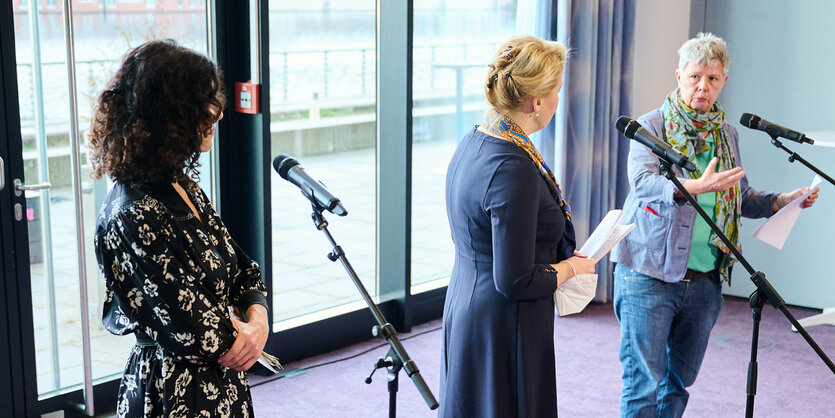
[(756, 304)]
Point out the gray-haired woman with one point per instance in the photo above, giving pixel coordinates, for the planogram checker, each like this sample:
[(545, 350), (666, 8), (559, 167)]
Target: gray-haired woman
[(668, 279)]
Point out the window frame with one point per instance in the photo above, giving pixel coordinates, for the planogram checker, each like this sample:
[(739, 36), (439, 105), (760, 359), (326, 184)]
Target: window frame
[(250, 223)]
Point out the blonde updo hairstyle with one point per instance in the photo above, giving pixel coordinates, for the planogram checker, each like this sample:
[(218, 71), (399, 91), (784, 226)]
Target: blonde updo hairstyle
[(524, 67)]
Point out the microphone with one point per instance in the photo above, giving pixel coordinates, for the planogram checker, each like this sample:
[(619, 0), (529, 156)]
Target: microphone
[(289, 169), (633, 130), (773, 129)]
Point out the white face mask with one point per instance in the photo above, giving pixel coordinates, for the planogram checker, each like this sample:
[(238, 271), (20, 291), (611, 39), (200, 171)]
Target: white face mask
[(575, 293)]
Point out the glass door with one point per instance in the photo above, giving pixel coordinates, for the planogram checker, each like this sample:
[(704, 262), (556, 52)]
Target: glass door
[(322, 63), (58, 199)]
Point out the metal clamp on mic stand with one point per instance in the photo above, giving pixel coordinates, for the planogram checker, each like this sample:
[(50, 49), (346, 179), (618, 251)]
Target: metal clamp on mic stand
[(397, 357), (764, 293), (393, 365), (793, 156)]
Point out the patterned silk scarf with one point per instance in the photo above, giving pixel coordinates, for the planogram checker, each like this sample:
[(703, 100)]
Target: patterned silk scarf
[(683, 126), (498, 124)]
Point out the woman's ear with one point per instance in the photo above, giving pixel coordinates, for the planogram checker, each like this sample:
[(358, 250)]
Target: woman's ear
[(533, 105)]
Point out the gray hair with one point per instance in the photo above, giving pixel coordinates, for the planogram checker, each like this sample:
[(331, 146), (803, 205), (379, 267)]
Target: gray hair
[(702, 49)]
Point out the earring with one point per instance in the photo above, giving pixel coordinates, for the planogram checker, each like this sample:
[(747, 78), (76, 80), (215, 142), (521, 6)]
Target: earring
[(537, 113)]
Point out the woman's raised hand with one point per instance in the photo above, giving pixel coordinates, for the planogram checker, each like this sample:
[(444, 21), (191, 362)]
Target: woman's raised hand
[(713, 181)]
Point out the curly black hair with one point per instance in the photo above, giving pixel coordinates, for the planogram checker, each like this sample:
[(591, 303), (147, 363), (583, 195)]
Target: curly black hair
[(149, 123)]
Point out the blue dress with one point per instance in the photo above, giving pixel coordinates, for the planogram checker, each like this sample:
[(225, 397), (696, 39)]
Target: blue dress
[(498, 323)]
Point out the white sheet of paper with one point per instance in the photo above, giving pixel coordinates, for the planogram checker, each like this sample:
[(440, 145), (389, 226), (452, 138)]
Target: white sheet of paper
[(775, 230), (620, 232), (606, 235)]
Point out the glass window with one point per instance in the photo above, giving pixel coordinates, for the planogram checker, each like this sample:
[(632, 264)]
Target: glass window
[(101, 39), (453, 43), (322, 62)]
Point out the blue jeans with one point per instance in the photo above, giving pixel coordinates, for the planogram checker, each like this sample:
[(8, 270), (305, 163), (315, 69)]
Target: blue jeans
[(664, 331)]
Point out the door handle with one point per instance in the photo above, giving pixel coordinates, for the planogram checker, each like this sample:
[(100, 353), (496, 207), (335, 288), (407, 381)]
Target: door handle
[(19, 187), (2, 175)]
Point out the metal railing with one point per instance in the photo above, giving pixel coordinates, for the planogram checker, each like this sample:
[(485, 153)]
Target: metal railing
[(337, 75)]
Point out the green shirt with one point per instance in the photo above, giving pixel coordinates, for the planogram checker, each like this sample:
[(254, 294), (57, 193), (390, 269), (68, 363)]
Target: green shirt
[(703, 255)]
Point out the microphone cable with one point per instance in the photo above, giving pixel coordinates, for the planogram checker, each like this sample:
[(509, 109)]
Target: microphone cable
[(302, 370)]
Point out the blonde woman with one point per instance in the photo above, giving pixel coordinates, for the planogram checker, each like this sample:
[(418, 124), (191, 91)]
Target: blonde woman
[(514, 245)]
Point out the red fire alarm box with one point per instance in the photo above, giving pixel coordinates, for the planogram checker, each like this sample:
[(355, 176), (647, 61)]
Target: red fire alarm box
[(247, 97)]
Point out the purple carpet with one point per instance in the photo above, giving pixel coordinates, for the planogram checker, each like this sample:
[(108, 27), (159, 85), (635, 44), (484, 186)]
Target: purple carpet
[(793, 381)]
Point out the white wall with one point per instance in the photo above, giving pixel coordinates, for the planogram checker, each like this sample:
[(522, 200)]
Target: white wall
[(782, 61), (661, 26)]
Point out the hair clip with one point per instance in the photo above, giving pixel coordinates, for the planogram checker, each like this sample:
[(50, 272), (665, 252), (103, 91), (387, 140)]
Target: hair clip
[(507, 74), (509, 55), (510, 47), (492, 67), (495, 77)]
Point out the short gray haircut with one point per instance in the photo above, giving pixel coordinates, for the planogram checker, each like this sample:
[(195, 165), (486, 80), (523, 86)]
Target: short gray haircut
[(702, 49)]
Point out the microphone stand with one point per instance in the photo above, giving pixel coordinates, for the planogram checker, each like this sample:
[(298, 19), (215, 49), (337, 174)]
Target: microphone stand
[(794, 156), (397, 357), (764, 293)]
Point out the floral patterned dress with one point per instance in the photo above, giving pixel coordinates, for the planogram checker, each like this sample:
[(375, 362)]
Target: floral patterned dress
[(170, 280)]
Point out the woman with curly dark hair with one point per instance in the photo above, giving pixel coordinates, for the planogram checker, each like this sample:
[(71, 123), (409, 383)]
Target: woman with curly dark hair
[(172, 270)]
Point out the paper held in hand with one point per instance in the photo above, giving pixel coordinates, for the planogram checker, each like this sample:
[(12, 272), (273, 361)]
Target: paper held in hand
[(606, 235), (575, 293), (775, 230)]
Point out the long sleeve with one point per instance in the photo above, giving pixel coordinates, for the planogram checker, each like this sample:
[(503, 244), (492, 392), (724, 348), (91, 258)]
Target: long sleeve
[(247, 287), (755, 203), (154, 288), (645, 177), (513, 205), (644, 170)]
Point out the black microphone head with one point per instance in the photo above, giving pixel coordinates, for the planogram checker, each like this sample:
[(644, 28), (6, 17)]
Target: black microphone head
[(282, 163), (627, 126), (621, 124), (749, 120)]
